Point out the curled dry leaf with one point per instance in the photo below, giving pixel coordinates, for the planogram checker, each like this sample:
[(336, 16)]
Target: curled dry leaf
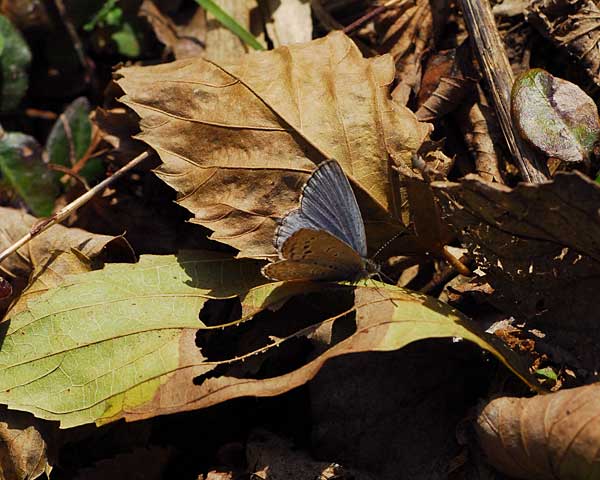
[(137, 325), (538, 246), (23, 446), (555, 116), (448, 79), (261, 135), (572, 25), (408, 36), (479, 126), (548, 437), (431, 234), (185, 39)]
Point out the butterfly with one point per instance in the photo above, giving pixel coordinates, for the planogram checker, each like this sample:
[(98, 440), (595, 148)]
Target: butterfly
[(323, 239)]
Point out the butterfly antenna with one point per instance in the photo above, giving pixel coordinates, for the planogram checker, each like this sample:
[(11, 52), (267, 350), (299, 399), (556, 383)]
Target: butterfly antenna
[(387, 243)]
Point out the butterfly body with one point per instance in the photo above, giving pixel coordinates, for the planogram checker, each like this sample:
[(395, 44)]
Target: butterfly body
[(324, 239)]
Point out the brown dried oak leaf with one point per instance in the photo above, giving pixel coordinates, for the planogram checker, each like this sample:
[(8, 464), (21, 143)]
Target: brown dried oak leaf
[(238, 141), (548, 437)]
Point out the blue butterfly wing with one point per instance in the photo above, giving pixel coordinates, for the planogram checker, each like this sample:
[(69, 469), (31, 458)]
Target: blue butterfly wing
[(327, 203)]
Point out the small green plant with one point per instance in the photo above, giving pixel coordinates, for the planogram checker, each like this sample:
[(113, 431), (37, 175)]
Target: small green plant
[(123, 34), (228, 22)]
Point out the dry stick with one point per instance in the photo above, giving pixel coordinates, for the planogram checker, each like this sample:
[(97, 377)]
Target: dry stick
[(373, 13), (490, 52), (64, 212)]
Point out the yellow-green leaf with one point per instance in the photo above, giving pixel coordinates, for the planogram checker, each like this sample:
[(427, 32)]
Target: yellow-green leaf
[(106, 340)]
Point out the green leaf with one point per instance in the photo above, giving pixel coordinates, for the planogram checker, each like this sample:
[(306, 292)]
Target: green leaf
[(121, 342), (547, 373), (555, 116), (15, 58), (102, 15), (106, 341), (114, 17), (60, 145), (228, 22), (75, 139), (23, 168), (126, 40)]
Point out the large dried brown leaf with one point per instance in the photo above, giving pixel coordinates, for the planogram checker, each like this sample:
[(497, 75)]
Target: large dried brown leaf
[(538, 246), (548, 437), (238, 141)]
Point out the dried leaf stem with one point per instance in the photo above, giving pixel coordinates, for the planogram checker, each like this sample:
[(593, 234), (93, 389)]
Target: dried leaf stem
[(64, 212), (496, 69)]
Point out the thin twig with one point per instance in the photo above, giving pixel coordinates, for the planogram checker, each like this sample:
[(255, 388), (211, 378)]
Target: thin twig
[(67, 210), (496, 69), (77, 45), (43, 114), (373, 13), (91, 151)]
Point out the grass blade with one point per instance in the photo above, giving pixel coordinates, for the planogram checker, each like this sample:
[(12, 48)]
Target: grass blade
[(228, 22)]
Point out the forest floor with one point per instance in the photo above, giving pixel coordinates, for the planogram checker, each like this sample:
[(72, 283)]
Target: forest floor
[(191, 287)]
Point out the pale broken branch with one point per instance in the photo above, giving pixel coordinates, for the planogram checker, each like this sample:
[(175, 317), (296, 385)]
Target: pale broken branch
[(64, 212)]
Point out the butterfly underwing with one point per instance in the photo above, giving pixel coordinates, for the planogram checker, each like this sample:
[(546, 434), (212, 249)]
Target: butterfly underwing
[(323, 239)]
